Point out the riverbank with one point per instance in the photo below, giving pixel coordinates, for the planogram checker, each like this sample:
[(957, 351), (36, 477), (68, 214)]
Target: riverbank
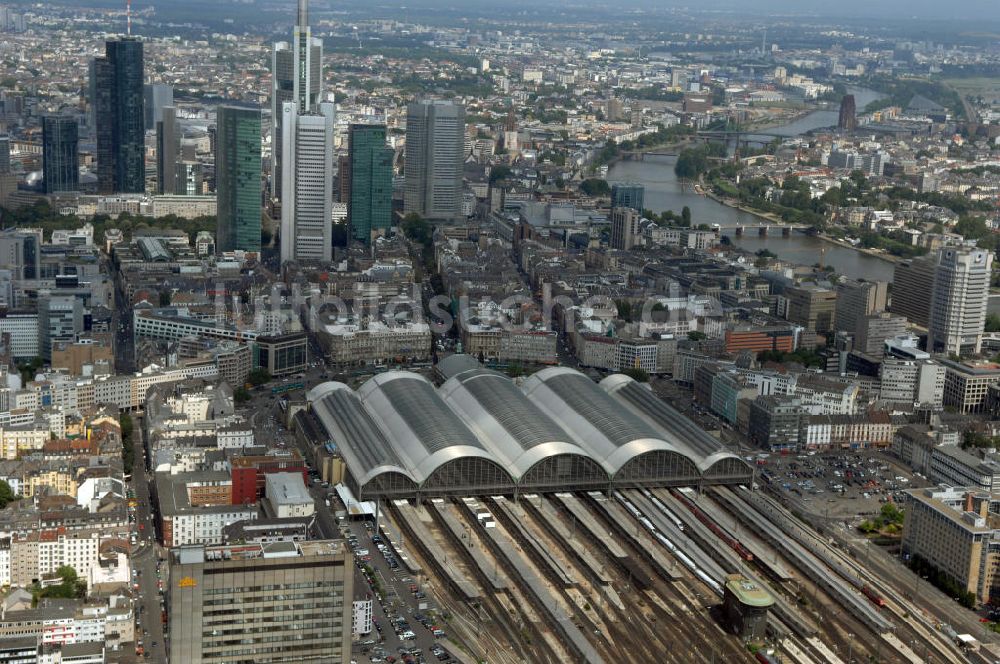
[(775, 219)]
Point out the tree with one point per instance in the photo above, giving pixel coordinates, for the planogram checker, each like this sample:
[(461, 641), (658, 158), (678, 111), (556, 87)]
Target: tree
[(992, 323), (165, 298), (6, 494), (595, 187), (241, 395), (258, 377), (128, 446), (686, 216), (637, 374), (695, 335), (500, 172)]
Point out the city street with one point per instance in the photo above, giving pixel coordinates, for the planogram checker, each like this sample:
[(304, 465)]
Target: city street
[(145, 559)]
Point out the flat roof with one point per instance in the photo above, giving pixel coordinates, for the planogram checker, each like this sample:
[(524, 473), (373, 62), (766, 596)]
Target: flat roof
[(747, 592)]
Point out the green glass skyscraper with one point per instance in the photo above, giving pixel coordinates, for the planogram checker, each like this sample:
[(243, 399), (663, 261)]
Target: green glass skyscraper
[(237, 178), (370, 206)]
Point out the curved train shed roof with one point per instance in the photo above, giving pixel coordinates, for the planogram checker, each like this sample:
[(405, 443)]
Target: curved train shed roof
[(480, 433), (516, 430)]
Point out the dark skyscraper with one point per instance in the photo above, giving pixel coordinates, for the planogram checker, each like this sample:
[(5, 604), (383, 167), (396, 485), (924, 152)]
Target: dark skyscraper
[(60, 169), (117, 98), (237, 178), (848, 120), (370, 205), (168, 143)]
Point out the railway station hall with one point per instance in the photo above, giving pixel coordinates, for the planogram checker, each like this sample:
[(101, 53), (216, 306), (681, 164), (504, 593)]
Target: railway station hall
[(480, 433)]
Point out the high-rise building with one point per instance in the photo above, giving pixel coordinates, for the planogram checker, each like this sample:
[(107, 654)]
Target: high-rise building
[(4, 154), (871, 332), (628, 194), (156, 97), (624, 227), (307, 201), (912, 282), (117, 102), (60, 318), (435, 147), (369, 209), (60, 163), (237, 178), (958, 303), (811, 307), (168, 146), (857, 299), (848, 120), (273, 602), (296, 75)]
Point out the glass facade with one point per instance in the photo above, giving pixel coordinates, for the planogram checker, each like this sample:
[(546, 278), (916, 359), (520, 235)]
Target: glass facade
[(370, 206), (237, 178), (59, 154)]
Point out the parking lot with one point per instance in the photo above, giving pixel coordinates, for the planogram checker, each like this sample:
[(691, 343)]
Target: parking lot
[(405, 621), (841, 484)]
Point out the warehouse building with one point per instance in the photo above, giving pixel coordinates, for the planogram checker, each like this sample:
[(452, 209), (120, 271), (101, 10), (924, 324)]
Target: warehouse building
[(480, 434)]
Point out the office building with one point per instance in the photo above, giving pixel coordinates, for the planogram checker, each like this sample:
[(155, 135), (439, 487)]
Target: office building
[(847, 120), (60, 164), (435, 140), (857, 299), (307, 202), (168, 146), (628, 194), (156, 97), (117, 102), (60, 318), (811, 307), (4, 154), (967, 383), (956, 531), (237, 178), (908, 381), (624, 227), (223, 606), (871, 332), (958, 302), (297, 76), (369, 210), (775, 422), (912, 283)]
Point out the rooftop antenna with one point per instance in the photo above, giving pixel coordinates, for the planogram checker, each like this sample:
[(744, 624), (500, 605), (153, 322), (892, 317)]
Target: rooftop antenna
[(763, 42), (128, 17)]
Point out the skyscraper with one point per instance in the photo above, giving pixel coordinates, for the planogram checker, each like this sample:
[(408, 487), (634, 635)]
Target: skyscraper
[(912, 283), (857, 299), (370, 206), (435, 147), (307, 201), (848, 120), (156, 97), (624, 227), (628, 194), (279, 602), (958, 302), (237, 178), (60, 163), (117, 101), (4, 154), (168, 145), (296, 75)]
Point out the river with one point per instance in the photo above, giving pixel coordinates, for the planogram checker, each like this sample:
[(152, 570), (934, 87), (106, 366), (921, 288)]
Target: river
[(665, 192)]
